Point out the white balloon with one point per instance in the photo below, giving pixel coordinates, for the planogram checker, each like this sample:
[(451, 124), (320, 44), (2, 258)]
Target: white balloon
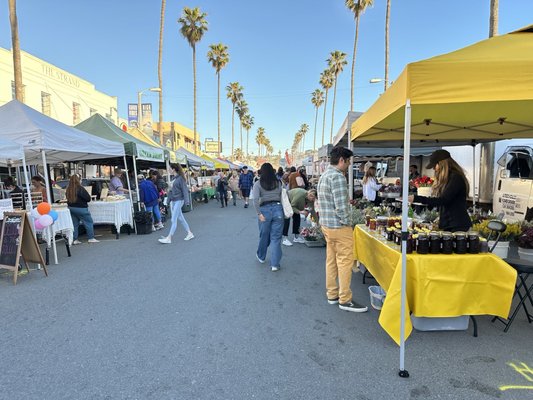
[(35, 214), (46, 220)]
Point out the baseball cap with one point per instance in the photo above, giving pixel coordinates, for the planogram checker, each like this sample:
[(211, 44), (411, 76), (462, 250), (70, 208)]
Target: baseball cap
[(244, 167), (140, 176), (438, 155)]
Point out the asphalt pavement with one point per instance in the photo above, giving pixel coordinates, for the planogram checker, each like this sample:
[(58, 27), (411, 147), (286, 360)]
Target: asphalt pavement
[(136, 319)]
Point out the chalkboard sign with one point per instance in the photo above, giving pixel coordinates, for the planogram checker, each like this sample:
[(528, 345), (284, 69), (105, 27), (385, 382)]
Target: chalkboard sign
[(17, 240), (11, 234)]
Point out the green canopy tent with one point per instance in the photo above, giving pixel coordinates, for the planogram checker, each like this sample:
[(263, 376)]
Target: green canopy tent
[(136, 149)]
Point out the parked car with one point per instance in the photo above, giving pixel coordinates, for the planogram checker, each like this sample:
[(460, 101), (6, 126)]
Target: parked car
[(96, 185)]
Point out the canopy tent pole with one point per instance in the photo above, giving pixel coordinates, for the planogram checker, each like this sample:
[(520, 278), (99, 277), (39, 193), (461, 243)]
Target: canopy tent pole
[(129, 190), (48, 195), (28, 190), (474, 176), (350, 171), (137, 183), (405, 232), (168, 173)]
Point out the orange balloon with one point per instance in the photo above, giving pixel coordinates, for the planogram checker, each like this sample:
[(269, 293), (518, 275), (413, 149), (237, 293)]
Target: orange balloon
[(43, 208)]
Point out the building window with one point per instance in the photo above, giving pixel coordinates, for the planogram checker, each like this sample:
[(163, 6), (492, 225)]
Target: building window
[(93, 111), (13, 94), (75, 113), (45, 103)]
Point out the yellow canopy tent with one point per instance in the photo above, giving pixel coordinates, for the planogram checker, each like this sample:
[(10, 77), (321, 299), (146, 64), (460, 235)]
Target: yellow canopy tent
[(218, 164), (480, 93), (483, 92)]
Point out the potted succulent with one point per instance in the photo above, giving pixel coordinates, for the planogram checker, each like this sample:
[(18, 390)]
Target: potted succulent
[(357, 216), (423, 185), (502, 248), (525, 243)]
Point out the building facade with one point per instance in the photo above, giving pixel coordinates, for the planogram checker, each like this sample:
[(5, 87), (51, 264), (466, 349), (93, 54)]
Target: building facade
[(54, 91), (176, 135)]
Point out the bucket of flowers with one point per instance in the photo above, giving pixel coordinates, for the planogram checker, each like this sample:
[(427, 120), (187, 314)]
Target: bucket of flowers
[(313, 236), (525, 242), (423, 185), (511, 233)]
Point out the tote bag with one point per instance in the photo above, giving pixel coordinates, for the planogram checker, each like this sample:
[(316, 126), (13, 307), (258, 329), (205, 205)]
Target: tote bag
[(285, 202)]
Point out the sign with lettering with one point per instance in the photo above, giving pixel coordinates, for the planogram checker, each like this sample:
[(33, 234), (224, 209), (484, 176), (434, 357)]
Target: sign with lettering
[(17, 240), (212, 146), (150, 153), (5, 205)]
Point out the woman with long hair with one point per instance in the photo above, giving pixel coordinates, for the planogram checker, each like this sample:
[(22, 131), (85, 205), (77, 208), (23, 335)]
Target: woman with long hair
[(178, 195), (77, 199), (267, 203), (449, 192), (39, 186), (370, 184)]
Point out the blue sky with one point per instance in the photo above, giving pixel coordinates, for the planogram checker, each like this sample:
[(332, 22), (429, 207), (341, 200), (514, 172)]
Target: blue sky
[(277, 51)]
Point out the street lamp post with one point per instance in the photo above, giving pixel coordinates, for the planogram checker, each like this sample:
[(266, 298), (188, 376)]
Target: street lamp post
[(139, 97)]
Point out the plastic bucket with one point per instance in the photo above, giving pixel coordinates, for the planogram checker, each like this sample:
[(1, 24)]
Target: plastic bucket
[(377, 296)]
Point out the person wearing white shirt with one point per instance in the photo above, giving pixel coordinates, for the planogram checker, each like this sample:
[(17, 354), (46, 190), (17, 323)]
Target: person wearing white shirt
[(370, 184)]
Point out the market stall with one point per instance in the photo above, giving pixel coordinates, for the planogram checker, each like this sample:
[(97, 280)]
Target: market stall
[(481, 93), (46, 140), (112, 212)]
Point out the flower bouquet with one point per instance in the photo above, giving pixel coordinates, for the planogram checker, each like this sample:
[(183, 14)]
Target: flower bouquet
[(313, 236), (423, 185), (525, 242)]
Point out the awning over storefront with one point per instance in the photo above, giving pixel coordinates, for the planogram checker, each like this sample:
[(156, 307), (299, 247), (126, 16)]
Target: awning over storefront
[(218, 164), (195, 160)]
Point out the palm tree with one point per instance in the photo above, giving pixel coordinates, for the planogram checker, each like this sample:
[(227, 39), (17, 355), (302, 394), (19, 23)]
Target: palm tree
[(317, 99), (247, 123), (387, 26), (193, 27), (260, 139), (234, 94), (15, 43), (242, 109), (238, 154), (160, 70), (304, 129), (493, 21), (326, 80), (218, 57), (357, 7), (336, 62)]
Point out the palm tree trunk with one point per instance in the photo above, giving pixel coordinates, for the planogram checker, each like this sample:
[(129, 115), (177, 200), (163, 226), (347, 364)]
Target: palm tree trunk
[(314, 136), (218, 111), (240, 127), (196, 147), (354, 53), (232, 131), (493, 21), (160, 71), (333, 110), (17, 66), (247, 141), (387, 26), (324, 119)]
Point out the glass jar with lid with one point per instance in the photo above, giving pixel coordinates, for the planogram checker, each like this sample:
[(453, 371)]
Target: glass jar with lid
[(434, 242), (423, 244), (447, 242), (460, 243), (474, 246)]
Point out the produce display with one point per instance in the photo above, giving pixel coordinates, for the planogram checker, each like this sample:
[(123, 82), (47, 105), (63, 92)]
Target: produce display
[(390, 191), (115, 197)]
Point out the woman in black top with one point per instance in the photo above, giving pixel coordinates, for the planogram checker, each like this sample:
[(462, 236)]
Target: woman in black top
[(77, 199), (450, 191)]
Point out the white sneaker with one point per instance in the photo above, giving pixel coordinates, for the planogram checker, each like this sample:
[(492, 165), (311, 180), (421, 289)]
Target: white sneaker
[(189, 236), (76, 242), (159, 226), (286, 242), (153, 228), (93, 240), (298, 240), (165, 240)]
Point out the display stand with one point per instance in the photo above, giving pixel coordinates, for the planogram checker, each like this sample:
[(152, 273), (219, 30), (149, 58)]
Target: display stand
[(18, 240)]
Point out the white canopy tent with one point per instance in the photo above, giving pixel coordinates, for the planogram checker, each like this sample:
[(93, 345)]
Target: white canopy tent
[(11, 152), (46, 140)]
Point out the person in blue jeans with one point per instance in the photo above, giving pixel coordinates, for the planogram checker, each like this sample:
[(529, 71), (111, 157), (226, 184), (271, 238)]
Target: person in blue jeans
[(267, 203), (150, 198), (77, 199)]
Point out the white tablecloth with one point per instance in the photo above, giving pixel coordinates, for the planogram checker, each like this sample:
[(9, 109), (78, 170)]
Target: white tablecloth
[(63, 224), (117, 213)]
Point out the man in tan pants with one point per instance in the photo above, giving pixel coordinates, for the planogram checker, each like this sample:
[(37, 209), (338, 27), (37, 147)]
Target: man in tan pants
[(334, 209)]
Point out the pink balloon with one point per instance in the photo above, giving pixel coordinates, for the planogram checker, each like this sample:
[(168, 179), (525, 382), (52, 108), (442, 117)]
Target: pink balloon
[(45, 220), (38, 225)]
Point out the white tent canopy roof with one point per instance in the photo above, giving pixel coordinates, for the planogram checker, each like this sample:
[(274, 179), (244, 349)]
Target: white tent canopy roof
[(10, 152), (35, 132)]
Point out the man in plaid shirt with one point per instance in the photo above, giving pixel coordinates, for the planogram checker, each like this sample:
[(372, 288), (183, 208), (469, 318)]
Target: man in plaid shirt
[(334, 208), (246, 182)]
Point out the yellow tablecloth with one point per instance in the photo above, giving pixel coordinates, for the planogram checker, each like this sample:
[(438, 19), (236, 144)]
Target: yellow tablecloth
[(438, 285)]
